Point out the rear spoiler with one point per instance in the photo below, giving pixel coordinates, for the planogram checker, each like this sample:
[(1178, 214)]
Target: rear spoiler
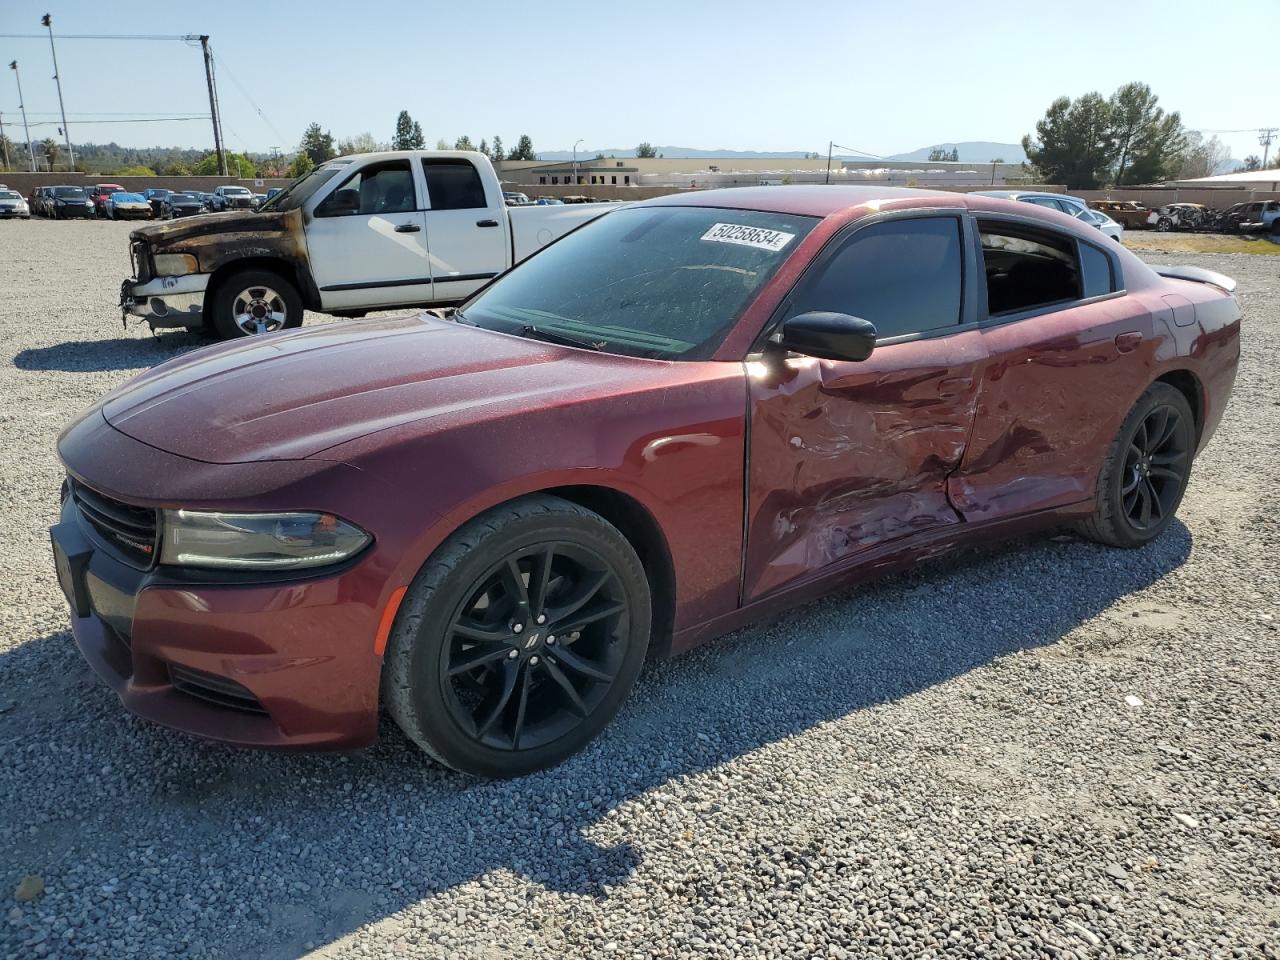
[(1199, 275)]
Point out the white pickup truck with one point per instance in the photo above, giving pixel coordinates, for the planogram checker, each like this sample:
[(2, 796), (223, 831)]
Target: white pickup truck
[(367, 232)]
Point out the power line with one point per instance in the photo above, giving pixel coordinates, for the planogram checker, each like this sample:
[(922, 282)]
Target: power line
[(252, 102), (93, 36), (55, 123)]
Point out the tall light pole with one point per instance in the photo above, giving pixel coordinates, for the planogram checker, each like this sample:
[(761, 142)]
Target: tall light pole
[(26, 132), (575, 163), (47, 21)]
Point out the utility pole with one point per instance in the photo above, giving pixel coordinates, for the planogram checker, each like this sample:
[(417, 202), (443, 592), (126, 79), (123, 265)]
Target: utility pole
[(830, 146), (1266, 136), (47, 21), (575, 163), (213, 106), (26, 132), (4, 141)]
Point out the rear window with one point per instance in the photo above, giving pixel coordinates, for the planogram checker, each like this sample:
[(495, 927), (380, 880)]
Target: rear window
[(454, 185), (69, 193), (661, 282)]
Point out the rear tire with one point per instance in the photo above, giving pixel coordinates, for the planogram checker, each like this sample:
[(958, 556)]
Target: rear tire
[(1145, 471), (249, 302), (475, 673)]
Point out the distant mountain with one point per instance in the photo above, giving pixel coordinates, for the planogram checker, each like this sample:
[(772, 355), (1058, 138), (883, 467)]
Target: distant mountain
[(675, 153), (971, 151)]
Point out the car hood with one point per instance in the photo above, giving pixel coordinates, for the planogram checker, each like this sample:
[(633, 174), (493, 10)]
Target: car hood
[(289, 396), (240, 221)]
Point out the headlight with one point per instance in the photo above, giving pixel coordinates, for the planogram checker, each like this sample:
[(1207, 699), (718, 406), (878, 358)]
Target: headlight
[(174, 264), (258, 541)]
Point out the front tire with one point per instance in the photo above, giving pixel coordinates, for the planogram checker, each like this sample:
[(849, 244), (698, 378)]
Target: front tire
[(1145, 472), (519, 639), (250, 302)]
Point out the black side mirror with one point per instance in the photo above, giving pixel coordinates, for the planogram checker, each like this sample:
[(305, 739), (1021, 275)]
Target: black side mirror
[(341, 203), (828, 336)]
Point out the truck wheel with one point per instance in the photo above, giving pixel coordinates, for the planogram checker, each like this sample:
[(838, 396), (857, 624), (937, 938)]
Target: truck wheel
[(254, 301)]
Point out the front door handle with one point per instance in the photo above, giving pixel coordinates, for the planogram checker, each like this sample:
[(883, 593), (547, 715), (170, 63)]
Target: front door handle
[(1128, 342), (408, 228), (486, 223)]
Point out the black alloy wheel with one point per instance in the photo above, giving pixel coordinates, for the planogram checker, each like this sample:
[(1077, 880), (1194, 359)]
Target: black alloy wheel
[(519, 639), (1145, 472), (535, 647), (1155, 468)]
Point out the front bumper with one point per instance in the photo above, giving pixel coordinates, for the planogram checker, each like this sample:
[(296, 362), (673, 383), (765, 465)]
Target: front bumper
[(288, 664), (166, 301), (14, 213)]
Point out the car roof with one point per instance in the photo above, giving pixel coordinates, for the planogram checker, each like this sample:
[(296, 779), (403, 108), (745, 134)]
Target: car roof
[(811, 200)]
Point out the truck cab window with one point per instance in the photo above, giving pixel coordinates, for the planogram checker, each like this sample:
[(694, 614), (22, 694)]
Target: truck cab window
[(454, 185), (375, 189)]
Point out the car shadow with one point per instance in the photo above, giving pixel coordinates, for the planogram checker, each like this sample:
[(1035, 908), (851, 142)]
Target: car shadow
[(253, 836), (118, 353)]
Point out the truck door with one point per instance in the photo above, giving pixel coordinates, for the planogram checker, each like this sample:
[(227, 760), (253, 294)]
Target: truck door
[(366, 241), (467, 230)]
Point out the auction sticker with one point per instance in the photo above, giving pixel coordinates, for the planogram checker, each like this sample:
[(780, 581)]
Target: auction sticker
[(746, 236)]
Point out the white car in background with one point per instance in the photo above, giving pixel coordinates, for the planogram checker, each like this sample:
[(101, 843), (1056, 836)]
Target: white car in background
[(1073, 206), (12, 206)]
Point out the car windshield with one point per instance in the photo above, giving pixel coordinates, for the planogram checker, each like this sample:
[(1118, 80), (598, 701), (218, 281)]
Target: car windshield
[(9, 195), (186, 196), (128, 198), (659, 282), (69, 193), (238, 191), (302, 189)]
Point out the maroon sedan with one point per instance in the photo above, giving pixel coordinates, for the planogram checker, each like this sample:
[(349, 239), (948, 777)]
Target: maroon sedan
[(684, 416)]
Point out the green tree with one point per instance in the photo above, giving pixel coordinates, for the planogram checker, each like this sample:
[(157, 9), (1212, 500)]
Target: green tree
[(1144, 139), (360, 143), (496, 153), (1073, 143), (301, 164), (408, 135), (238, 165), (442, 144), (317, 144), (523, 150), (1251, 163), (646, 150), (463, 143), (484, 146), (135, 171), (938, 155), (1201, 157)]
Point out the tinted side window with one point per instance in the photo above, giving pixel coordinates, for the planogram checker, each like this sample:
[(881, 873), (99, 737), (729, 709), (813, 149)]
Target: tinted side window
[(904, 276), (454, 185), (1095, 270), (378, 188), (1027, 267)]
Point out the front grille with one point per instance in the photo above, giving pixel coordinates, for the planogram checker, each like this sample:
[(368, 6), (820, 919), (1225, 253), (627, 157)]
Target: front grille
[(133, 532), (214, 689)]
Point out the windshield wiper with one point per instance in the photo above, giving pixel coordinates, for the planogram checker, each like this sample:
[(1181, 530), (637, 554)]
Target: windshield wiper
[(529, 330)]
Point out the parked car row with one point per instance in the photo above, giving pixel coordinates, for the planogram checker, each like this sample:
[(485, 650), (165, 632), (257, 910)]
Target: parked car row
[(1072, 206), (1256, 216), (113, 202)]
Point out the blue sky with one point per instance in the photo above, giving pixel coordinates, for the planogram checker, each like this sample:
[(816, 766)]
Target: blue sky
[(882, 77)]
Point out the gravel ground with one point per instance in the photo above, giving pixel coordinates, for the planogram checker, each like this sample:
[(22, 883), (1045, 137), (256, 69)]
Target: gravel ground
[(1045, 749)]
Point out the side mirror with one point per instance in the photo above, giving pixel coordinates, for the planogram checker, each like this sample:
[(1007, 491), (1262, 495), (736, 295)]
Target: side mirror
[(340, 203), (827, 336)]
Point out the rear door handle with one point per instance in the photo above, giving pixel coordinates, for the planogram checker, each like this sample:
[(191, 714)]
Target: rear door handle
[(954, 386), (1128, 342), (408, 228), (486, 223)]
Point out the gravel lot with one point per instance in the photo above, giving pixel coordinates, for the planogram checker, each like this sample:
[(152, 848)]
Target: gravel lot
[(1046, 749)]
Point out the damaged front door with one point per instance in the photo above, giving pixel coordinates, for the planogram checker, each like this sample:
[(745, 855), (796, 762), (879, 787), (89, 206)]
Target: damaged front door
[(845, 456)]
